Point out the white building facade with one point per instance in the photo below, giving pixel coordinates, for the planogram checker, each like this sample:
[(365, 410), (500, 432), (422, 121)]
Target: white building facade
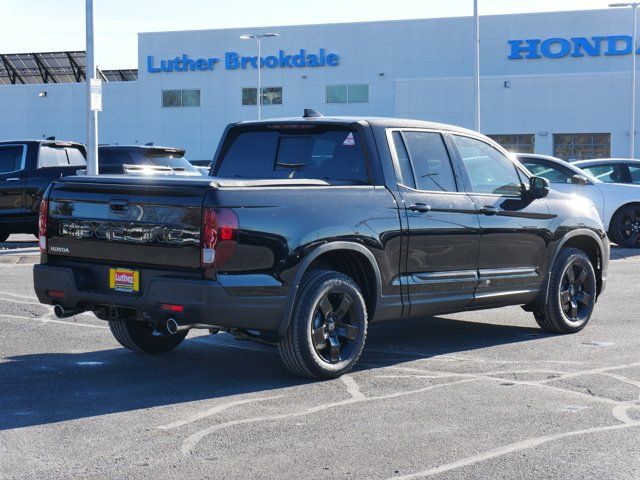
[(553, 83)]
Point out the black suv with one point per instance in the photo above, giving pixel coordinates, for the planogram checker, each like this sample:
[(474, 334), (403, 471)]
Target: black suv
[(311, 228), (136, 158), (27, 168)]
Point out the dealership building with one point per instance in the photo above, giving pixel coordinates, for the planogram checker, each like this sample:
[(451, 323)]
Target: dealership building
[(554, 83)]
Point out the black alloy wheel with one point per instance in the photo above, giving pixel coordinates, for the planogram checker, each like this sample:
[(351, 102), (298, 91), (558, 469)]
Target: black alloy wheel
[(626, 227), (576, 292), (571, 295), (333, 334), (328, 327)]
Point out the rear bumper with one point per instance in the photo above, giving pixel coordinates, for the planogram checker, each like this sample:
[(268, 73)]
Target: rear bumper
[(234, 305)]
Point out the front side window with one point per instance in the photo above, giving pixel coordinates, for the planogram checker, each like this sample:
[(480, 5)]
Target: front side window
[(11, 158), (552, 172), (324, 153), (489, 170), (430, 161)]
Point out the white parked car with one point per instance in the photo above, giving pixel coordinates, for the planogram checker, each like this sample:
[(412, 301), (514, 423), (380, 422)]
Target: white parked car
[(618, 204), (612, 170)]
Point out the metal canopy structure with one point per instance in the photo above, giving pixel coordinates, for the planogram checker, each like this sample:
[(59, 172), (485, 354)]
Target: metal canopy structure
[(53, 67)]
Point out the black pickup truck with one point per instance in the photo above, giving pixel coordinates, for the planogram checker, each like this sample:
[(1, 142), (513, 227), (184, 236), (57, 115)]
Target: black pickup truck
[(310, 228), (27, 168)]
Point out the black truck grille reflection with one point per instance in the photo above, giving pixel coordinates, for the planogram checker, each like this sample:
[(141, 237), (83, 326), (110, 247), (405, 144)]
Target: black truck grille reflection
[(131, 233)]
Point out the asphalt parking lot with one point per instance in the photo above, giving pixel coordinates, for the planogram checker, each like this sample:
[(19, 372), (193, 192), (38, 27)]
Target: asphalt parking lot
[(473, 395)]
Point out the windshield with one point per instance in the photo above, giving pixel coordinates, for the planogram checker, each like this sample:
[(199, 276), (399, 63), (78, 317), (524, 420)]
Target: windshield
[(321, 152)]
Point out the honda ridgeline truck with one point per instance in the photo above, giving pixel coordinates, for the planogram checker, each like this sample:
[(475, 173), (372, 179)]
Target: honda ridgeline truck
[(310, 228)]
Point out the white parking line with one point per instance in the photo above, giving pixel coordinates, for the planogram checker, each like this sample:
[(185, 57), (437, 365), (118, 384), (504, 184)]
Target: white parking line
[(50, 320), (213, 411), (512, 447)]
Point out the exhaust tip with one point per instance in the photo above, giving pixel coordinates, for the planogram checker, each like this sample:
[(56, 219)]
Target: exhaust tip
[(58, 310), (172, 326)]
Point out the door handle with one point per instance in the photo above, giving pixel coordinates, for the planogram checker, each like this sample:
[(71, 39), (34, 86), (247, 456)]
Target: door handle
[(420, 207), (488, 210)]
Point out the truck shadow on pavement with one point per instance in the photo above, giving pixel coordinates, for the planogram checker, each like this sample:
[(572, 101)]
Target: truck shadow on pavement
[(53, 387)]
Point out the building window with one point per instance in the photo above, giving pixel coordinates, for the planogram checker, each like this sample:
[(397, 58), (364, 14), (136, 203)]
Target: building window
[(516, 143), (356, 93), (181, 98), (579, 146), (270, 96)]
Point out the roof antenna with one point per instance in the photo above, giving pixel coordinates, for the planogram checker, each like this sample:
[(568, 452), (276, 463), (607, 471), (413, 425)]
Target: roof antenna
[(311, 113), (50, 138), (148, 144)]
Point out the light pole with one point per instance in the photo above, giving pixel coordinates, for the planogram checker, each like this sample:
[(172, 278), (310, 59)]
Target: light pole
[(476, 69), (92, 115), (258, 37), (632, 130)]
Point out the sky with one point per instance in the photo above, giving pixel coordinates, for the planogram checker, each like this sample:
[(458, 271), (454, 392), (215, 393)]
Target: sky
[(58, 25)]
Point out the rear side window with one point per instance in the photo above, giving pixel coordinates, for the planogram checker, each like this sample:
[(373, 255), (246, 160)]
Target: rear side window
[(403, 161), (11, 158), (634, 172), (430, 161), (57, 156), (609, 173), (311, 153)]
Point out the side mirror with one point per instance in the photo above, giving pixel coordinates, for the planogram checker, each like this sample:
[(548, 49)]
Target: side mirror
[(538, 187), (578, 179)]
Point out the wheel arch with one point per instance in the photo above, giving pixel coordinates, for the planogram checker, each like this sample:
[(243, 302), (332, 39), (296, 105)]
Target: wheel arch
[(350, 258), (592, 245)]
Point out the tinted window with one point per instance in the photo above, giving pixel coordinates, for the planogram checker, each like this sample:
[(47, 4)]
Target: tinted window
[(403, 161), (552, 172), (318, 153), (11, 158), (120, 157), (489, 170), (430, 161), (76, 157), (58, 156)]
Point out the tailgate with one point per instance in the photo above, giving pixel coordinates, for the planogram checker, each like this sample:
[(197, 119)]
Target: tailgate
[(127, 221)]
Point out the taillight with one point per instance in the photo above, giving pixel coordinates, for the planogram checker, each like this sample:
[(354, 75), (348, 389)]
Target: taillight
[(219, 236), (43, 219)]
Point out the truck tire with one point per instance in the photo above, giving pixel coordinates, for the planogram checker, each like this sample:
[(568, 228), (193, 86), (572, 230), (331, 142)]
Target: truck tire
[(572, 293), (142, 337), (328, 327)]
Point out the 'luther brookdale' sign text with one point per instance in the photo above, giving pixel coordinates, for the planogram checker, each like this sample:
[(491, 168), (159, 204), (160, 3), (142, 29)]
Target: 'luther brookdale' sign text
[(557, 47), (234, 61)]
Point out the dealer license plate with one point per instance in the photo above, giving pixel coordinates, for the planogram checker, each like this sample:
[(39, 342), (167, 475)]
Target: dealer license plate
[(124, 280)]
